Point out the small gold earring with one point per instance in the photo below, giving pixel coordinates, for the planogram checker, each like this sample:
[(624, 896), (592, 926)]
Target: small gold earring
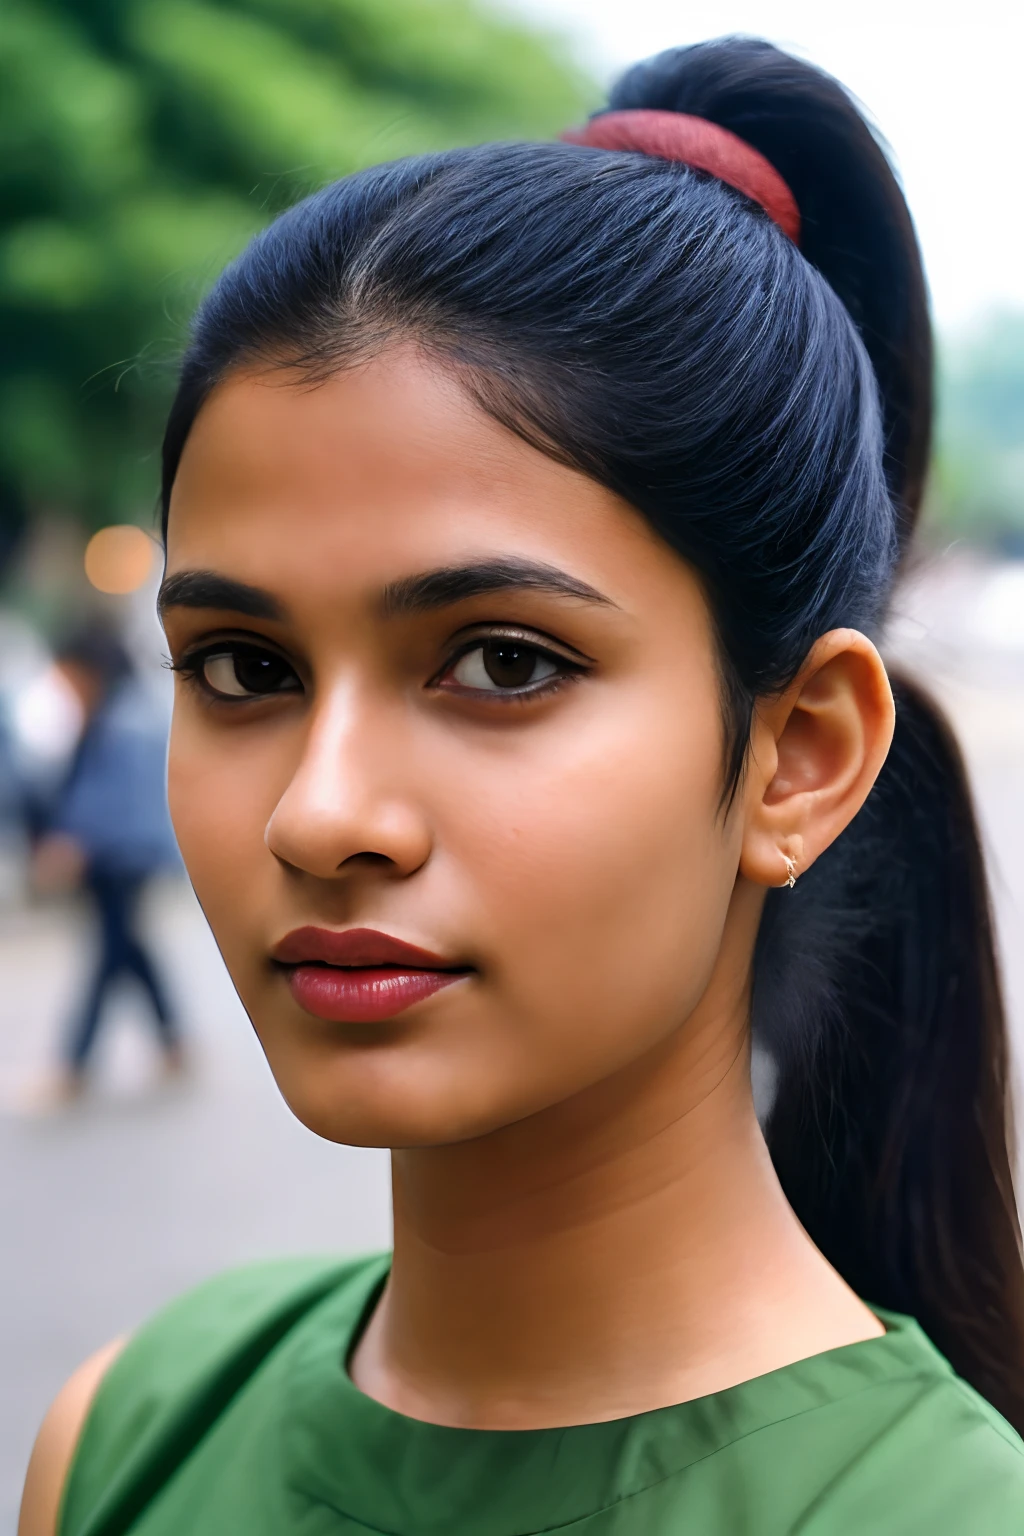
[(790, 879)]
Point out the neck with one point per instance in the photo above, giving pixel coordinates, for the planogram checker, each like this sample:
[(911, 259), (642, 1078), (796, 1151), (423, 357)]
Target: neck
[(627, 1249)]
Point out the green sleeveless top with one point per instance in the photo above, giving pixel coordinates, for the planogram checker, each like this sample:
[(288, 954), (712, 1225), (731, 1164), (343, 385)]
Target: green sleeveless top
[(231, 1414)]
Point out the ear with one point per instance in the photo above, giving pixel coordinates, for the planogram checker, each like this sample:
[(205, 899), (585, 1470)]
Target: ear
[(815, 752)]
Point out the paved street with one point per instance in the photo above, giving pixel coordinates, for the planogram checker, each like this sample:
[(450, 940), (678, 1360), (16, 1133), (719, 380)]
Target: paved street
[(107, 1210)]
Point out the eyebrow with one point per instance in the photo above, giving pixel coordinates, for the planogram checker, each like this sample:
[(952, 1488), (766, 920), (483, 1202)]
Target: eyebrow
[(421, 593), (206, 589), (450, 584)]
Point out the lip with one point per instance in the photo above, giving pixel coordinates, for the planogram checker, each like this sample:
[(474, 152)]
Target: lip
[(360, 976)]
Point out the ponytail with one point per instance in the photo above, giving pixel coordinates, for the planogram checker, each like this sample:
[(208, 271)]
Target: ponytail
[(855, 227), (890, 1125)]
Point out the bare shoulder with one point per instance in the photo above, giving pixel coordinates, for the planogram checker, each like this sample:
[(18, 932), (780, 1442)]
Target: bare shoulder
[(56, 1442)]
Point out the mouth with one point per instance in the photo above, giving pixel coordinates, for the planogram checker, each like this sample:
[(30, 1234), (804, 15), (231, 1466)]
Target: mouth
[(360, 976)]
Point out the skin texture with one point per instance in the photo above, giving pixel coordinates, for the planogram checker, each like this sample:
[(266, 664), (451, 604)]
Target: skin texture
[(587, 1223)]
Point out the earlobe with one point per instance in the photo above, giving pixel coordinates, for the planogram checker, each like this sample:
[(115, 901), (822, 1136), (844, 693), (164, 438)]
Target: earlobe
[(821, 745), (772, 856)]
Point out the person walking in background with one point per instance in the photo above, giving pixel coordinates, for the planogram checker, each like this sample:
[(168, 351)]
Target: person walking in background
[(107, 829)]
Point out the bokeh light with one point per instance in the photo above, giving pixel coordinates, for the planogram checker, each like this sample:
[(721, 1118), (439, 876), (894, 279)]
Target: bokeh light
[(119, 559)]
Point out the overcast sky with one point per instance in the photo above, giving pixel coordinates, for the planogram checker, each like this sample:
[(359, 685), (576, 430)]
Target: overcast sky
[(944, 84)]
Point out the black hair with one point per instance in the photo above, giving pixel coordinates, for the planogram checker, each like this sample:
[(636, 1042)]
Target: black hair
[(768, 409)]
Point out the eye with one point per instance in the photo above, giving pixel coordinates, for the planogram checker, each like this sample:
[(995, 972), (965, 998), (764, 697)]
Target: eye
[(245, 672), (503, 665)]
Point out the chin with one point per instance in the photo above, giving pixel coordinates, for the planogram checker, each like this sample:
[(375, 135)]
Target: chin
[(392, 1126), (370, 1105)]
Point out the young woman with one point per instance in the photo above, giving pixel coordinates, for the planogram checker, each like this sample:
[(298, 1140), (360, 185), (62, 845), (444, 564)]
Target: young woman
[(532, 512)]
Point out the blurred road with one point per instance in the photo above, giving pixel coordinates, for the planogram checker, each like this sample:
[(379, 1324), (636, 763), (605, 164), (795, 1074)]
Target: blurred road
[(110, 1208)]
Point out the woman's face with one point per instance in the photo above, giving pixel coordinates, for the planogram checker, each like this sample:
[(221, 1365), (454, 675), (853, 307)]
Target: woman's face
[(436, 686)]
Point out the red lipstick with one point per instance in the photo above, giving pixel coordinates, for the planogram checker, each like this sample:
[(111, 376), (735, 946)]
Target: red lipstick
[(360, 976)]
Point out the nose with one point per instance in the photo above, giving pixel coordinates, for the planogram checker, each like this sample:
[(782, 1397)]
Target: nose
[(346, 803)]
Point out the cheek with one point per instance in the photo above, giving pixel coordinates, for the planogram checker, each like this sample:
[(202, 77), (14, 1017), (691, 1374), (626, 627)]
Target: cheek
[(220, 800), (603, 873)]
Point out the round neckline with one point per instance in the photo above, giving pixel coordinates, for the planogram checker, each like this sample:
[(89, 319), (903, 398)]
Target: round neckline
[(409, 1477)]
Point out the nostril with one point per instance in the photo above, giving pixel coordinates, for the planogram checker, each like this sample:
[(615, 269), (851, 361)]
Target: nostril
[(367, 860)]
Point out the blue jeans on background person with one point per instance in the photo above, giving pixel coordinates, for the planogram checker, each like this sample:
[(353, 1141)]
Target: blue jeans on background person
[(116, 897)]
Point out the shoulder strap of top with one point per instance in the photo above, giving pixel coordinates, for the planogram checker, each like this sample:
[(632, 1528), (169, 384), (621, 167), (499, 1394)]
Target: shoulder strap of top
[(174, 1379)]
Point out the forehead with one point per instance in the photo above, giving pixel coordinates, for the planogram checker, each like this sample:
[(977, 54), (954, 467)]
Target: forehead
[(382, 469)]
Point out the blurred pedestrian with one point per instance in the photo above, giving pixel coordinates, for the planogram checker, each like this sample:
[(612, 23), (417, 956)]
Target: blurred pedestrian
[(107, 830)]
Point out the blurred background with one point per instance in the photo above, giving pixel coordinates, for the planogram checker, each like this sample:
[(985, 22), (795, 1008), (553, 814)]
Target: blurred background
[(142, 1144)]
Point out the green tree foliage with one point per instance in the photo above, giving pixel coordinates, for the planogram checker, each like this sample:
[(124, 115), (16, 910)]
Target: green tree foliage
[(143, 141), (978, 485)]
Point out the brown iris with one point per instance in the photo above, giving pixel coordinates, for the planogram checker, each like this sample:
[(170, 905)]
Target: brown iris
[(508, 664)]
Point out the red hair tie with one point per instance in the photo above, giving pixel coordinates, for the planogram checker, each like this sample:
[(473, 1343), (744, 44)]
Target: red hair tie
[(703, 145)]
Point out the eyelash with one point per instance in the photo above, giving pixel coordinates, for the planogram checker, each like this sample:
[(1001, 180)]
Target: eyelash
[(567, 670), (192, 664)]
